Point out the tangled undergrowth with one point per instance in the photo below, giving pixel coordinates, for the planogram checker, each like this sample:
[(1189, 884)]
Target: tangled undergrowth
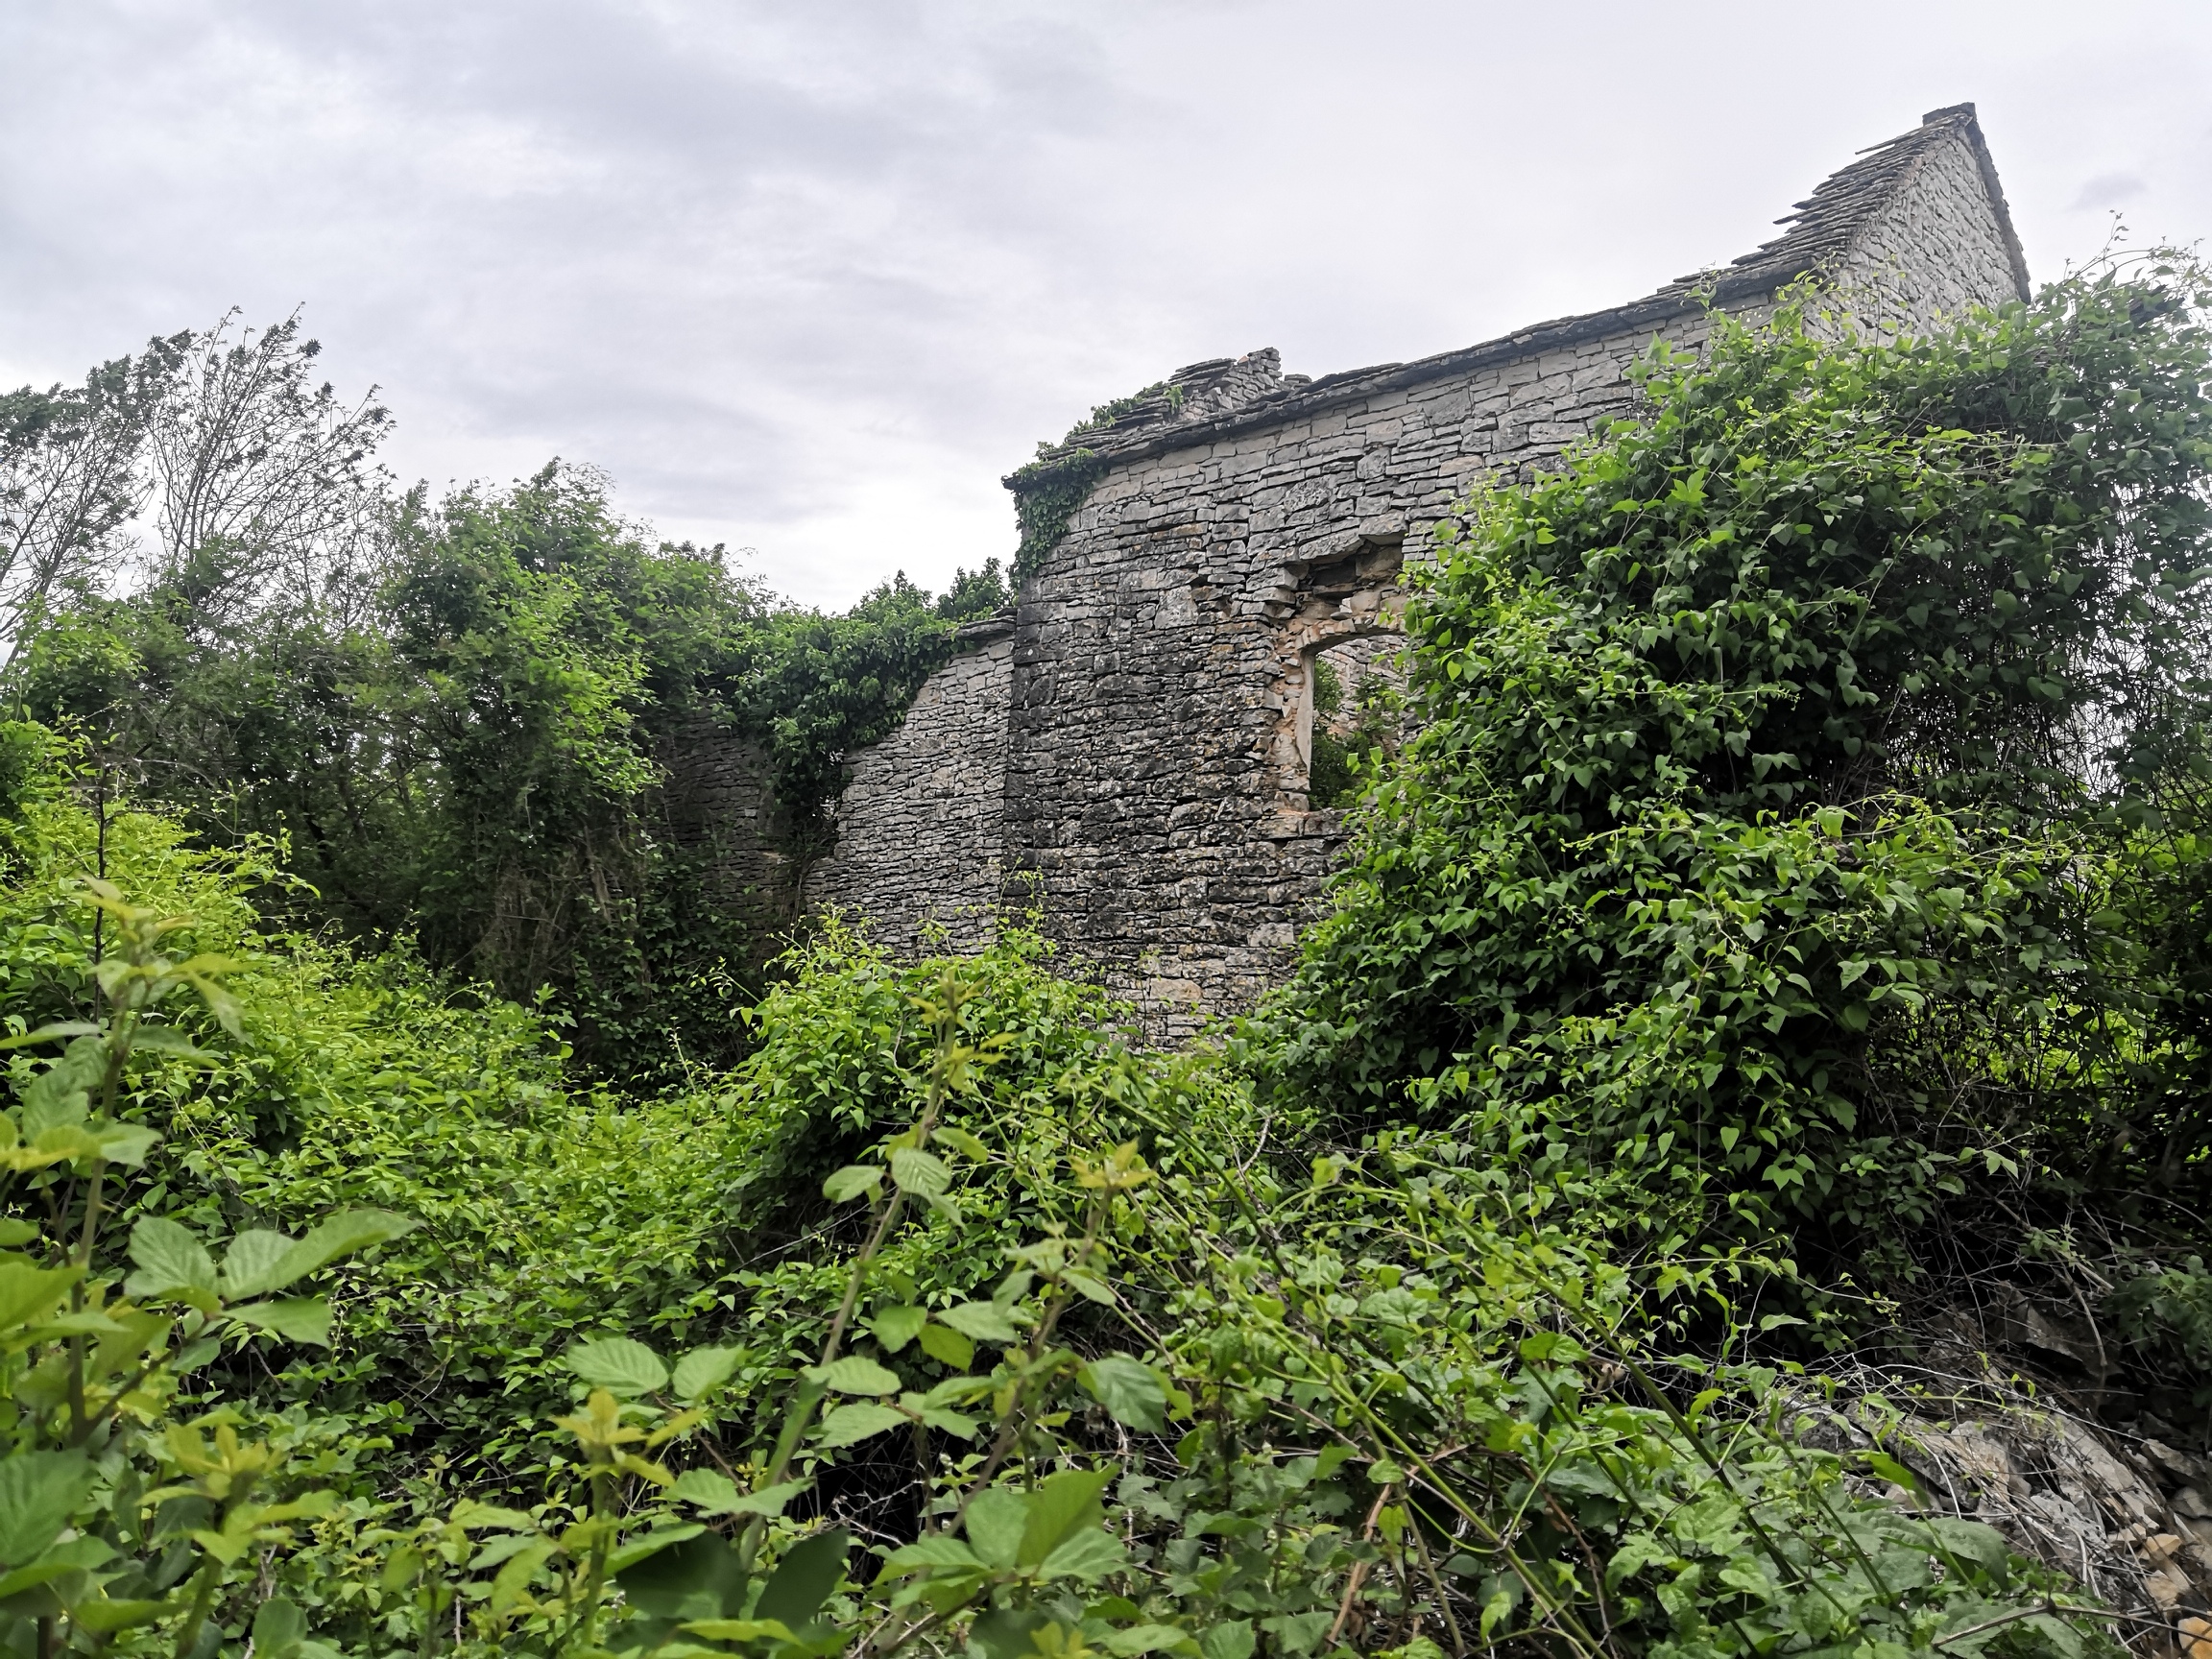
[(1785, 924)]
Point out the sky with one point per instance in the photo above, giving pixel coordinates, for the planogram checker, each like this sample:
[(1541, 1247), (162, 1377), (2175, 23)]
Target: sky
[(808, 279)]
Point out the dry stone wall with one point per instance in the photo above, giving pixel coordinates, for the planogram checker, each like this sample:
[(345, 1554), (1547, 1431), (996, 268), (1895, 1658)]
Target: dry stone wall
[(719, 808), (920, 826), (1936, 245), (1160, 718), (1131, 756)]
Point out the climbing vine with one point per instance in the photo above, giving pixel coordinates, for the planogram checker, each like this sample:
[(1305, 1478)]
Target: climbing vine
[(1049, 491), (1045, 497)]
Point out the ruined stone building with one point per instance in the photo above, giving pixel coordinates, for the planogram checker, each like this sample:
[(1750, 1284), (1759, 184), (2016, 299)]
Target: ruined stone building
[(1127, 749)]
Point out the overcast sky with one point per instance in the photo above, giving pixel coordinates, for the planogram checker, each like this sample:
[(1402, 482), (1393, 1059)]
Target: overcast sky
[(807, 278)]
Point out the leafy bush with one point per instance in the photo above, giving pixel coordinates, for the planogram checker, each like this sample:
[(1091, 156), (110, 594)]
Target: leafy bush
[(464, 745), (1793, 781)]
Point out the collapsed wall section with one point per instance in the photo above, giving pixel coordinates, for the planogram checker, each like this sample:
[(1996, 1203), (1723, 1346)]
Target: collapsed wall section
[(718, 804)]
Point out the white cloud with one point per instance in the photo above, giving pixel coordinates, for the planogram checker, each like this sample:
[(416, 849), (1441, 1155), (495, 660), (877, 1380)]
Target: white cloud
[(809, 279)]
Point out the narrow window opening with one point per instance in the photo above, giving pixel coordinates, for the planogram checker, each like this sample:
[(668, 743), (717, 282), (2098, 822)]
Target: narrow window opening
[(1350, 716)]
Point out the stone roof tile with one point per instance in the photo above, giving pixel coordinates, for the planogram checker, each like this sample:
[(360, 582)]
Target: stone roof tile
[(1225, 394)]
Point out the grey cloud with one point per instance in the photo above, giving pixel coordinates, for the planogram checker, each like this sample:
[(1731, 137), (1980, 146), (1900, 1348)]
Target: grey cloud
[(811, 278), (2109, 190)]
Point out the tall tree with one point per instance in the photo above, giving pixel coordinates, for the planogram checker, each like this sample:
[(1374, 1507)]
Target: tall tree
[(266, 485), (69, 484)]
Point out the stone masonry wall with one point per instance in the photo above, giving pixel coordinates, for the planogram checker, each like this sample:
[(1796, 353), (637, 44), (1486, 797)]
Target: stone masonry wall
[(919, 824), (1132, 756), (1934, 249), (1156, 780), (719, 808), (1155, 786)]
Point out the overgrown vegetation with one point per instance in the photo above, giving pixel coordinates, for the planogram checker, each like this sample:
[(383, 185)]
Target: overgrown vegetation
[(1050, 490), (456, 716), (1350, 744), (1782, 917)]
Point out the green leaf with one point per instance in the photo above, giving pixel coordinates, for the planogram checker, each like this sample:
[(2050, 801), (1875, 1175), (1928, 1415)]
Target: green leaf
[(951, 1423), (57, 1096), (1233, 1638), (737, 1630), (252, 1264), (965, 1144), (297, 1319), (959, 1391), (851, 1182), (168, 1040), (40, 1492), (618, 1365), (706, 1489), (711, 1492), (921, 1173), (1088, 1284), (14, 1233), (468, 1513), (1984, 1546), (27, 1293), (984, 1321), (1144, 1639), (1062, 1505), (802, 1580), (104, 1618), (59, 1561), (936, 1552), (642, 1546), (125, 1143), (1131, 1391), (344, 1234), (770, 1501), (171, 1264), (997, 1518), (702, 1370), (129, 1336), (896, 1326), (52, 1034), (854, 1374), (1091, 1555), (515, 1578), (946, 1346), (278, 1629), (693, 1577), (1889, 1469), (850, 1424), (1009, 1632)]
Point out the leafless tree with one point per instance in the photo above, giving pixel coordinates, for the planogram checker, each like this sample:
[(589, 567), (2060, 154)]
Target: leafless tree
[(70, 484), (265, 486)]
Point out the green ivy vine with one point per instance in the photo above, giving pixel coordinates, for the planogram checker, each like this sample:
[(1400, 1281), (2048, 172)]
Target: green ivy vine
[(1049, 491)]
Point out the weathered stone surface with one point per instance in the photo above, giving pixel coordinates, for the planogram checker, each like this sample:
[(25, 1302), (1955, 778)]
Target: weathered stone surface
[(1132, 756), (719, 808), (920, 824), (2113, 1512)]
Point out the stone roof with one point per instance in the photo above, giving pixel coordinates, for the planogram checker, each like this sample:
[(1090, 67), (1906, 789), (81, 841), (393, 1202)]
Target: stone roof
[(1227, 394), (1823, 226)]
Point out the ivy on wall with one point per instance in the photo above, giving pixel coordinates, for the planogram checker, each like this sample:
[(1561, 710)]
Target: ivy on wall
[(1049, 491)]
